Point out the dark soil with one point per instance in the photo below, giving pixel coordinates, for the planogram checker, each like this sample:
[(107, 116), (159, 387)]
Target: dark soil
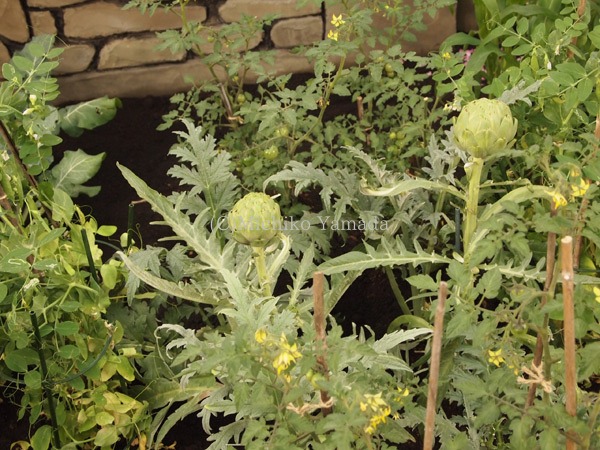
[(132, 140)]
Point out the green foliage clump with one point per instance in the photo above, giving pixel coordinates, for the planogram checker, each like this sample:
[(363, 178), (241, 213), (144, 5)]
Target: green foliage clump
[(58, 348)]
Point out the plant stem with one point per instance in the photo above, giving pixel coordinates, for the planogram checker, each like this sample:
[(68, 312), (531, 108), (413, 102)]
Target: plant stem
[(8, 212), (474, 170), (260, 259), (196, 49), (580, 223), (44, 370), (319, 319), (593, 417), (30, 179), (325, 101), (569, 332), (130, 222), (542, 335), (13, 149), (397, 293), (434, 368), (88, 254)]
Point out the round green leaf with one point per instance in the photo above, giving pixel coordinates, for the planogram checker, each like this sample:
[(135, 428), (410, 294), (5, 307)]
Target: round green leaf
[(41, 439), (106, 230), (109, 275), (68, 351), (67, 328), (103, 418), (33, 379), (19, 360)]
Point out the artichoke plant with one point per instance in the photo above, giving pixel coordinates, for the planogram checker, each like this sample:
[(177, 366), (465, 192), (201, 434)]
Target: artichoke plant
[(255, 220), (485, 127)]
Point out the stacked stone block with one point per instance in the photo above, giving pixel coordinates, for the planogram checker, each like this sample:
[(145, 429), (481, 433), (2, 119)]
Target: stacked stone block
[(112, 51)]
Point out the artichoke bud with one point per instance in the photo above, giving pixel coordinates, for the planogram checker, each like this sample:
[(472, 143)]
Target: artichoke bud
[(255, 220), (485, 127)]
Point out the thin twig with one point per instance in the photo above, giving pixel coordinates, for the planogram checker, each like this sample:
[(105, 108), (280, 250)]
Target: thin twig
[(319, 318), (434, 367), (13, 149), (231, 117), (6, 206), (568, 275), (539, 344)]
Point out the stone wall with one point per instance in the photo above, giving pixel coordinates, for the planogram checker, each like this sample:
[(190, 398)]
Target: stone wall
[(112, 51)]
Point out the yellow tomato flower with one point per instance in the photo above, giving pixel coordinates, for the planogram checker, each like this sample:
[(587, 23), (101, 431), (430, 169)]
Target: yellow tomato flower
[(495, 357), (597, 293), (260, 336), (288, 355), (581, 189), (333, 35), (446, 55), (401, 394), (337, 21), (558, 199), (378, 409)]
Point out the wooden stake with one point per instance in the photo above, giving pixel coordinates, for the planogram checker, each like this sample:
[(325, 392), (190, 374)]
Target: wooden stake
[(434, 367), (360, 110), (319, 318), (566, 247)]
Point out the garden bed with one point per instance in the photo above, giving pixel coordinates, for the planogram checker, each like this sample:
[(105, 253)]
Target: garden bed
[(132, 139)]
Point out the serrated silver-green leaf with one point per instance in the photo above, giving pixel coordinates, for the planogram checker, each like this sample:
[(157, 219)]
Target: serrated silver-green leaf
[(384, 256), (183, 291), (207, 246)]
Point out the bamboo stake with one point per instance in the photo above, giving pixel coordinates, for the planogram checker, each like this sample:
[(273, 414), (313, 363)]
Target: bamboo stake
[(319, 318), (569, 331), (360, 110), (580, 12), (434, 367)]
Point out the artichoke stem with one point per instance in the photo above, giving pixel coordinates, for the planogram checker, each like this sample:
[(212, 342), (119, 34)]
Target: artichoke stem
[(470, 225), (260, 260)]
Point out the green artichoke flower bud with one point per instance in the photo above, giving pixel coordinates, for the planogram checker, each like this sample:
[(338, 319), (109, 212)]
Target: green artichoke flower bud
[(485, 127), (255, 220)]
